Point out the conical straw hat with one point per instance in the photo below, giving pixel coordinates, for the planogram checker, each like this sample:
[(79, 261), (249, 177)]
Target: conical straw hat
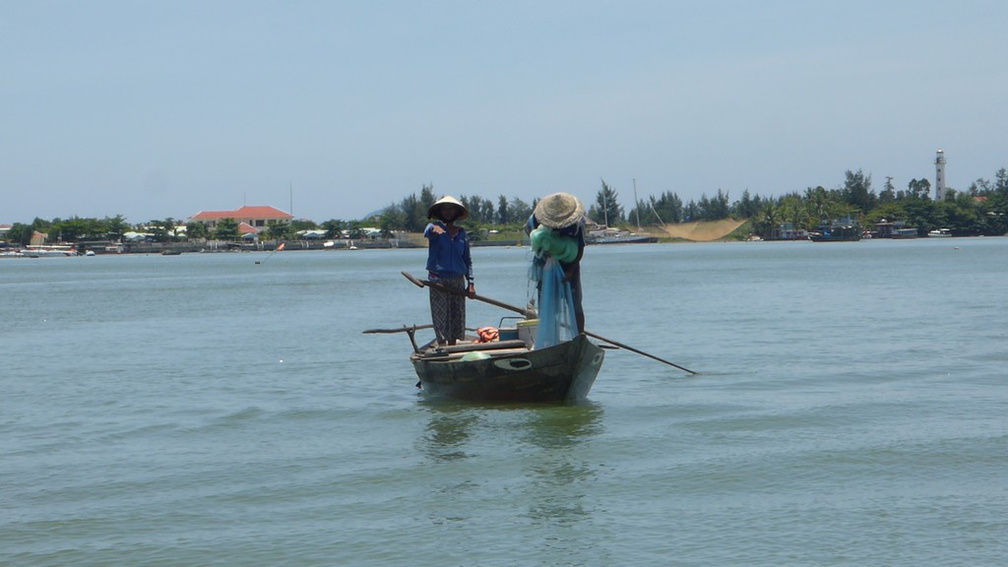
[(435, 210), (559, 210)]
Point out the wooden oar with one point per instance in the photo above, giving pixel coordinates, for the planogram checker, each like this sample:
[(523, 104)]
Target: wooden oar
[(403, 329), (501, 304), (640, 352), (444, 288)]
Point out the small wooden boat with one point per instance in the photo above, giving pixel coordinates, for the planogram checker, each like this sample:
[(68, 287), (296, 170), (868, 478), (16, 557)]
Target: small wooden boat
[(505, 370), (508, 371)]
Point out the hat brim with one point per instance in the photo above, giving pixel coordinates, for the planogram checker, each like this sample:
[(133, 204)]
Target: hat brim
[(568, 211), (435, 210)]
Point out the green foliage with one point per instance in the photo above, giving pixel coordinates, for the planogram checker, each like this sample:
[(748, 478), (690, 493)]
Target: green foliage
[(503, 210), (20, 234), (481, 211), (197, 231), (981, 209), (297, 225), (919, 189), (746, 207), (606, 209), (410, 214), (279, 231), (334, 227), (163, 230), (76, 229), (667, 208), (857, 191), (116, 226), (519, 212), (713, 209), (227, 229)]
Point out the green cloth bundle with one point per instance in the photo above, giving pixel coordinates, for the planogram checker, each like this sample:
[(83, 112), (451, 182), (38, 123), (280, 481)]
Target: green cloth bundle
[(548, 242)]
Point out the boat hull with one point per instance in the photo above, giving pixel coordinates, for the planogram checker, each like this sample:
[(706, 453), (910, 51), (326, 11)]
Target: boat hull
[(564, 372), (627, 240), (818, 238)]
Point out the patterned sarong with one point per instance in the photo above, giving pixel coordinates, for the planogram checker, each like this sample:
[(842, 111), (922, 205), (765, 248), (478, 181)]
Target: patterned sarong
[(448, 310)]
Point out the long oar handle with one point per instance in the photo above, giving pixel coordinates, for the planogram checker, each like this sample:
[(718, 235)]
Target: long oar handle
[(517, 309), (444, 288), (403, 329), (640, 352)]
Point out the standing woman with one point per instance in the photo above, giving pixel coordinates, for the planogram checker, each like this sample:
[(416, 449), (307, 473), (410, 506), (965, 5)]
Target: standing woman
[(448, 263)]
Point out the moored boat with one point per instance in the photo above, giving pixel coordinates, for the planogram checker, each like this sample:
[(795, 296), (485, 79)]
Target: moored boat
[(940, 233), (49, 252), (844, 229), (617, 236)]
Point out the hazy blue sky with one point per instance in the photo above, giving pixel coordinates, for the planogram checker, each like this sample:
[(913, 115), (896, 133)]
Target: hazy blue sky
[(153, 109)]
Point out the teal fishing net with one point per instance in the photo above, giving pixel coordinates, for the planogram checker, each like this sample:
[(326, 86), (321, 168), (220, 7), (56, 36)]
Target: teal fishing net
[(557, 322), (545, 242)]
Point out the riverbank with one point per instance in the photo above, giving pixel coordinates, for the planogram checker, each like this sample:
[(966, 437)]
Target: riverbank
[(699, 231)]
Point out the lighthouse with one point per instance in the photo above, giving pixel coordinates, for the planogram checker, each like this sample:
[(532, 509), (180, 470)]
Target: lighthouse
[(940, 176)]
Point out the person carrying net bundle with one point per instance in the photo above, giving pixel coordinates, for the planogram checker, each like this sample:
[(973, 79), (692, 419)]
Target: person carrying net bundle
[(557, 232)]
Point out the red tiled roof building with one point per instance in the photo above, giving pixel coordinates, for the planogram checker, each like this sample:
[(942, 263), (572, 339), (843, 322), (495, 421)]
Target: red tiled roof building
[(255, 217)]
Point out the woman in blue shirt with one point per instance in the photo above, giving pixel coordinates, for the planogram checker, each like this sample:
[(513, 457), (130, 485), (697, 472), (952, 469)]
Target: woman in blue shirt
[(448, 263)]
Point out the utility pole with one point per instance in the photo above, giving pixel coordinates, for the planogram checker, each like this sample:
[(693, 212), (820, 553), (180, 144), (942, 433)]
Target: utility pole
[(605, 207), (636, 203)]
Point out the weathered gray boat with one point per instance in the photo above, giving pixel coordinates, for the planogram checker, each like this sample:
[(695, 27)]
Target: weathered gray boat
[(508, 371)]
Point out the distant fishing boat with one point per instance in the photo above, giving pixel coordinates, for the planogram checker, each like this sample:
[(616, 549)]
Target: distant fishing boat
[(617, 236), (833, 236), (628, 238), (49, 252), (840, 230)]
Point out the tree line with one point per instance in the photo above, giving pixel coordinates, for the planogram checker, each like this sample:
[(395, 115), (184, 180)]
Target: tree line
[(410, 214), (981, 209), (77, 229)]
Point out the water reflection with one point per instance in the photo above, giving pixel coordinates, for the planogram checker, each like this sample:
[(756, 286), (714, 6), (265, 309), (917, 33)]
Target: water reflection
[(448, 430), (560, 479), (452, 425), (540, 463), (560, 426)]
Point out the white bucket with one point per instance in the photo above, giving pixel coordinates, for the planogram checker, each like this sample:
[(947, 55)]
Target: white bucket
[(527, 331)]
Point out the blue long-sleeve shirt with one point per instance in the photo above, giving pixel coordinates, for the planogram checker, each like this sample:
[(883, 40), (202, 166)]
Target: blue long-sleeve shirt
[(447, 256)]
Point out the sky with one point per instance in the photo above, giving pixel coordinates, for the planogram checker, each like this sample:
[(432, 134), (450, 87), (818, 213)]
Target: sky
[(335, 109)]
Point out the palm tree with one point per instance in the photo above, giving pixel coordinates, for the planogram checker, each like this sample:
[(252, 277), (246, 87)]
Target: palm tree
[(769, 220)]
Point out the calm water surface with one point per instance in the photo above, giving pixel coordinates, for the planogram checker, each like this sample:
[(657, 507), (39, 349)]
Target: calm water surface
[(208, 410)]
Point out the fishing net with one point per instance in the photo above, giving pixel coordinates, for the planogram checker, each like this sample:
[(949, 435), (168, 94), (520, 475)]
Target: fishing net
[(546, 242), (556, 318)]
